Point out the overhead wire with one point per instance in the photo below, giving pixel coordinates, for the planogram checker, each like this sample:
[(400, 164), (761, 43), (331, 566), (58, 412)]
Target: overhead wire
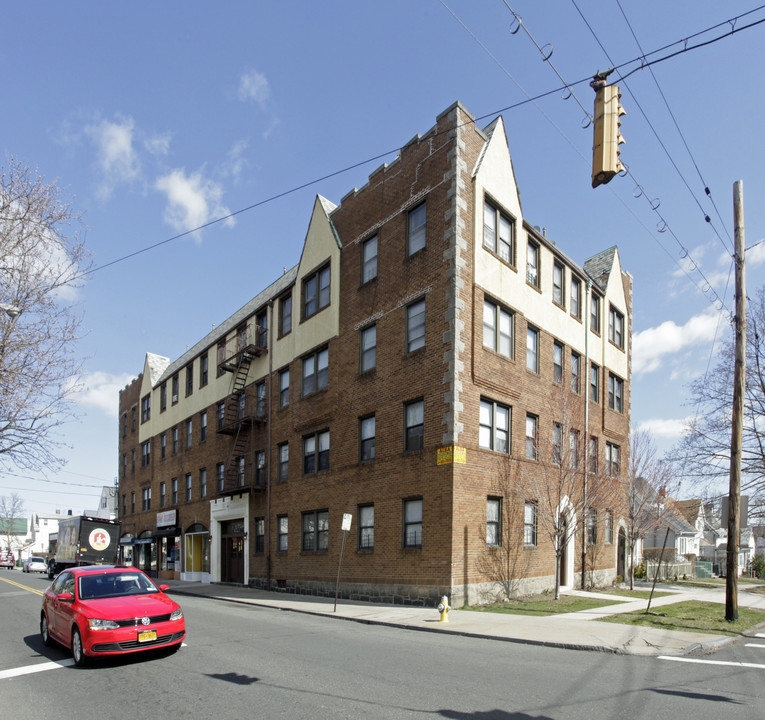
[(707, 191), (663, 226), (642, 63)]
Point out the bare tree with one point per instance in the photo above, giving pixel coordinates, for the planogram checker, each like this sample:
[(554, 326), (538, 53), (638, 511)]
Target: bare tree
[(559, 482), (502, 561), (651, 484), (41, 266), (703, 455), (11, 510)]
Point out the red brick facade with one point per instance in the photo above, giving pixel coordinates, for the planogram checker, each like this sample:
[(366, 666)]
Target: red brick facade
[(449, 371)]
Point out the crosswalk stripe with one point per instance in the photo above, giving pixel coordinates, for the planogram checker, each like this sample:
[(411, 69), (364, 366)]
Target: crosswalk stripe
[(757, 645), (29, 669), (712, 662)]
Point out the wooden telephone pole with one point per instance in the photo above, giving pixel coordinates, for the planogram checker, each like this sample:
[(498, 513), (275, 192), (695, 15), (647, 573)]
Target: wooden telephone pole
[(734, 493)]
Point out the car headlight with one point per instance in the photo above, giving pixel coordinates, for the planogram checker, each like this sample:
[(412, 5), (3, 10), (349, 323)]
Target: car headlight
[(99, 624), (177, 614)]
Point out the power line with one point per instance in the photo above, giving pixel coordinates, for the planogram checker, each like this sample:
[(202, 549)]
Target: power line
[(650, 124), (303, 186), (662, 225)]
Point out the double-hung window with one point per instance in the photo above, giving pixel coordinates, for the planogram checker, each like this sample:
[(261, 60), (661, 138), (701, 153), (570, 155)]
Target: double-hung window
[(415, 326), (203, 483), (220, 476), (595, 313), (284, 388), (576, 364), (316, 531), (616, 327), (594, 383), (576, 297), (282, 533), (369, 259), (615, 393), (413, 523), (493, 521), (162, 494), (530, 524), (532, 429), (573, 449), (613, 460), (367, 438), (146, 453), (146, 499), (283, 453), (416, 229), (316, 293), (557, 362), (368, 348), (145, 408), (494, 426), (174, 491), (414, 429), (316, 452), (592, 455), (559, 284), (498, 232), (315, 371), (532, 349), (366, 527), (557, 443), (285, 314), (188, 487), (203, 426), (498, 327), (532, 263), (592, 526)]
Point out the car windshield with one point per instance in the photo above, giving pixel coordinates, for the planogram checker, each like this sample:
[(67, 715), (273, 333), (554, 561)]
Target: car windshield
[(109, 585), (37, 560)]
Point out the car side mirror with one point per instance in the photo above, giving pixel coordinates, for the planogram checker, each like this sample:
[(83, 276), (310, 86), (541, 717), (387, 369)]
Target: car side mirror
[(65, 597), (164, 588)]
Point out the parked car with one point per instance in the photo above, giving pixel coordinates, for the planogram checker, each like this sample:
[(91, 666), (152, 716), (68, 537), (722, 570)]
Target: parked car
[(7, 560), (35, 563), (99, 610)]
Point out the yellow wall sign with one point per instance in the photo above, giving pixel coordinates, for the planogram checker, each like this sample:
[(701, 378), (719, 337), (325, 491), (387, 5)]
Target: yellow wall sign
[(452, 454)]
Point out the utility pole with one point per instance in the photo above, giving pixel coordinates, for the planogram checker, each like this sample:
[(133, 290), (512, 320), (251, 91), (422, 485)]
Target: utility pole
[(734, 493)]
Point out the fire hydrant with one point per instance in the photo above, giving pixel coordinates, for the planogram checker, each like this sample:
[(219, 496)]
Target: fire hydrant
[(443, 608)]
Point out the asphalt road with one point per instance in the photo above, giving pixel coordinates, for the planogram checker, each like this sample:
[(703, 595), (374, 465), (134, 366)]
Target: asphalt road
[(252, 662)]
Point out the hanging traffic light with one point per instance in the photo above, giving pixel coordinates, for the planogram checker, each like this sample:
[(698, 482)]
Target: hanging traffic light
[(606, 135)]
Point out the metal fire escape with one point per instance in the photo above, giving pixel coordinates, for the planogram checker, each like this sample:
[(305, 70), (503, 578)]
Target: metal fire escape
[(242, 408)]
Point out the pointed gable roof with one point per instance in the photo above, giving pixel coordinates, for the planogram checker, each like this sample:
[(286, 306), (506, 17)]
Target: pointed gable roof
[(599, 266)]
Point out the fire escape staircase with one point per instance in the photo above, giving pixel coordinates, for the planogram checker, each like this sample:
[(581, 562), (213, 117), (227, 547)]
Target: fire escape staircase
[(237, 417)]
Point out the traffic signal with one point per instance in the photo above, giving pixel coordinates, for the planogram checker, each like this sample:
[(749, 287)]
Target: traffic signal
[(606, 137)]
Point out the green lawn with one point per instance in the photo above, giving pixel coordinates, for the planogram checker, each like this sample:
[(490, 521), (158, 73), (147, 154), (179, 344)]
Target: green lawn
[(692, 616), (542, 605)]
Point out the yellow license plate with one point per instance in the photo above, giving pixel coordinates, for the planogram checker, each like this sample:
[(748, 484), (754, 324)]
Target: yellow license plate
[(147, 635)]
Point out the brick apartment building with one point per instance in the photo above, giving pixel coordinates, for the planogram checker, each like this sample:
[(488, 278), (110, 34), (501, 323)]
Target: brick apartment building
[(408, 371)]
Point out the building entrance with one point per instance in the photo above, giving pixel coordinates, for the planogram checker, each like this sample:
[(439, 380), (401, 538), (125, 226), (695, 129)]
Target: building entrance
[(232, 551)]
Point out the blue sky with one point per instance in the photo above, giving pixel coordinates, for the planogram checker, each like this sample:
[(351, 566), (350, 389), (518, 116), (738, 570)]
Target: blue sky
[(156, 118)]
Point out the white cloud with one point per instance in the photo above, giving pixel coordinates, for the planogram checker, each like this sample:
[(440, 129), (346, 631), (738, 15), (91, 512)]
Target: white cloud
[(158, 144), (101, 390), (665, 429), (253, 86), (650, 347), (192, 200), (236, 163), (116, 156)]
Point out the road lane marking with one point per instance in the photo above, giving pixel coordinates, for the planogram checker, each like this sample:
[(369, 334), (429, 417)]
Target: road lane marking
[(760, 635), (23, 587), (757, 645), (29, 669), (712, 662)]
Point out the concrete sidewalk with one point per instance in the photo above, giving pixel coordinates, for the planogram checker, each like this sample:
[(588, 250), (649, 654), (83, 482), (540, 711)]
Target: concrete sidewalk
[(570, 630)]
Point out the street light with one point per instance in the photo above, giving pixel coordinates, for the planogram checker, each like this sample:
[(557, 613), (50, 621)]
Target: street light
[(10, 310)]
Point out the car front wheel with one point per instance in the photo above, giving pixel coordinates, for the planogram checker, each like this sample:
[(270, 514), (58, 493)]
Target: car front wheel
[(80, 659), (44, 631)]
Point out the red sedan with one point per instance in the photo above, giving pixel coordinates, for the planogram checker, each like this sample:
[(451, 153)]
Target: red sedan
[(103, 610)]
